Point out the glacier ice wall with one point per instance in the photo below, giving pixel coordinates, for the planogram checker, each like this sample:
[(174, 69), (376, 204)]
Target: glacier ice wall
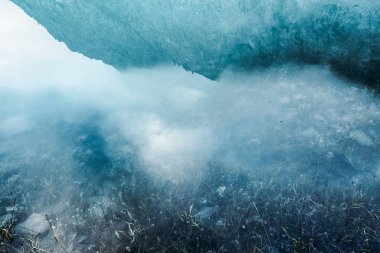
[(208, 36)]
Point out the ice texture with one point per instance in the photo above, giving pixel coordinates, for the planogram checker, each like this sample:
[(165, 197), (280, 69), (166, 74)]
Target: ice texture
[(208, 36)]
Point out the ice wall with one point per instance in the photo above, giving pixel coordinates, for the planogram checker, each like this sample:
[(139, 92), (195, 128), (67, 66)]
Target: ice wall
[(208, 36)]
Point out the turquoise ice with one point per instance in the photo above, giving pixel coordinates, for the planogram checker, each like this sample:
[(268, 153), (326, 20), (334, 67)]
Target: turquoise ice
[(209, 36)]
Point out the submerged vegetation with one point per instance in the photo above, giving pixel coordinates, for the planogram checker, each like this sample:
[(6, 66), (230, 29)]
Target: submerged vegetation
[(300, 175), (226, 211)]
